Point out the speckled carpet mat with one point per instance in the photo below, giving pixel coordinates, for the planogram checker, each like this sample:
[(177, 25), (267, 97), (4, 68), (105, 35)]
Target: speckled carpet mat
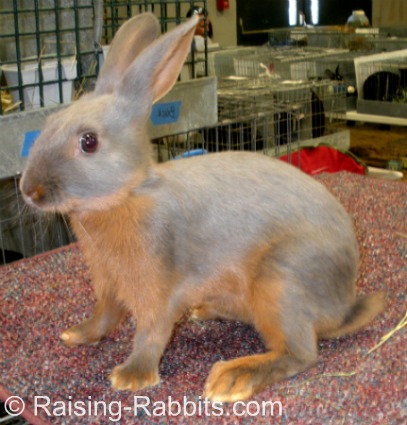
[(42, 296)]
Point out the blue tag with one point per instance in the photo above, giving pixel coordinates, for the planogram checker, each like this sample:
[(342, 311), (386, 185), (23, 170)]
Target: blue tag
[(29, 138), (165, 113), (193, 152)]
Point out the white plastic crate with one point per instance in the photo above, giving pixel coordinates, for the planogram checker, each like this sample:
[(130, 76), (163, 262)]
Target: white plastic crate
[(381, 84), (30, 79)]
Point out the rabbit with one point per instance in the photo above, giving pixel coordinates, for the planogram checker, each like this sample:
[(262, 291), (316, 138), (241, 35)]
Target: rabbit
[(229, 235), (334, 76)]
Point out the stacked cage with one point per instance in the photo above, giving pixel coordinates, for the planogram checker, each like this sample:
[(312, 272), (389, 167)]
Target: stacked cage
[(279, 63), (221, 61), (330, 38), (340, 69), (363, 40), (265, 116), (294, 37)]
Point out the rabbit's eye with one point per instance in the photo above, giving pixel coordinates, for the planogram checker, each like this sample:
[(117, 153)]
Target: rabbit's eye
[(88, 142)]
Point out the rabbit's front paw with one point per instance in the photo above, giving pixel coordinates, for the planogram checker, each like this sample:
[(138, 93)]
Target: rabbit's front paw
[(126, 377), (79, 335), (200, 314), (204, 312), (229, 381)]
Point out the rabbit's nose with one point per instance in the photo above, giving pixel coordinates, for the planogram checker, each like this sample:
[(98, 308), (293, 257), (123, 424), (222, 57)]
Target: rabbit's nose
[(35, 194)]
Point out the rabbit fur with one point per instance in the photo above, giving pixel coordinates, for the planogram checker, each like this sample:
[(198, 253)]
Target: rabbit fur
[(227, 235)]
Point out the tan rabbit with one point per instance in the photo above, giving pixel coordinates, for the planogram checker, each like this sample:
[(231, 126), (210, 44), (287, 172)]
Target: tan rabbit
[(229, 235)]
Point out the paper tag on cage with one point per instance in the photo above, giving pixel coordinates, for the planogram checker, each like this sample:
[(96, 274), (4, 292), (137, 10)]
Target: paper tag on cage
[(165, 113), (29, 138)]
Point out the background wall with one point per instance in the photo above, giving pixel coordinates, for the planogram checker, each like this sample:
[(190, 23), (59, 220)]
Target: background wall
[(389, 13), (259, 15), (224, 23), (273, 14), (337, 12)]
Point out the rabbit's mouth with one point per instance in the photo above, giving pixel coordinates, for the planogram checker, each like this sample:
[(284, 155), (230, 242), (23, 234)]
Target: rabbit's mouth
[(45, 201), (39, 197)]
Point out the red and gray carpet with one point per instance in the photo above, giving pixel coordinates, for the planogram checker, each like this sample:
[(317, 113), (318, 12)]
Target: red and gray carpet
[(42, 296)]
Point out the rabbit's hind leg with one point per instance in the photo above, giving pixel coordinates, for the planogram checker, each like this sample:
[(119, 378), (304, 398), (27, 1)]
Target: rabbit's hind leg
[(240, 378), (289, 354)]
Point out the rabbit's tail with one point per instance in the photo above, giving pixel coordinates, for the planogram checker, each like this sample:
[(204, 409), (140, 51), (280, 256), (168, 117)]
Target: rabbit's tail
[(365, 309)]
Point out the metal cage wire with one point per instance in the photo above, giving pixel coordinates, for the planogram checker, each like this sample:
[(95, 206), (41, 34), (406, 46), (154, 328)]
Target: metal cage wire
[(264, 116), (50, 50)]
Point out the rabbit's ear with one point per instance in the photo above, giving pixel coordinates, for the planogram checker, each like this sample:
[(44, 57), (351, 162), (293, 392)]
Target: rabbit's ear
[(157, 68), (132, 37)]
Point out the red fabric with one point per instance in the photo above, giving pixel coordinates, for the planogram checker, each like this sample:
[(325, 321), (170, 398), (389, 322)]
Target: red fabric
[(324, 159)]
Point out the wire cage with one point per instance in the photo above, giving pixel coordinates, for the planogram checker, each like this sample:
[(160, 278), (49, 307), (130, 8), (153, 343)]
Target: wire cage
[(330, 38), (263, 116), (302, 36), (369, 43), (294, 37), (363, 40), (46, 45), (50, 50), (302, 110), (279, 63), (334, 67), (221, 62), (337, 68)]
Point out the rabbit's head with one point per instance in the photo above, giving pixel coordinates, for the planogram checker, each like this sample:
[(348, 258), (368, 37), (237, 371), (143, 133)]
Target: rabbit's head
[(91, 154)]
